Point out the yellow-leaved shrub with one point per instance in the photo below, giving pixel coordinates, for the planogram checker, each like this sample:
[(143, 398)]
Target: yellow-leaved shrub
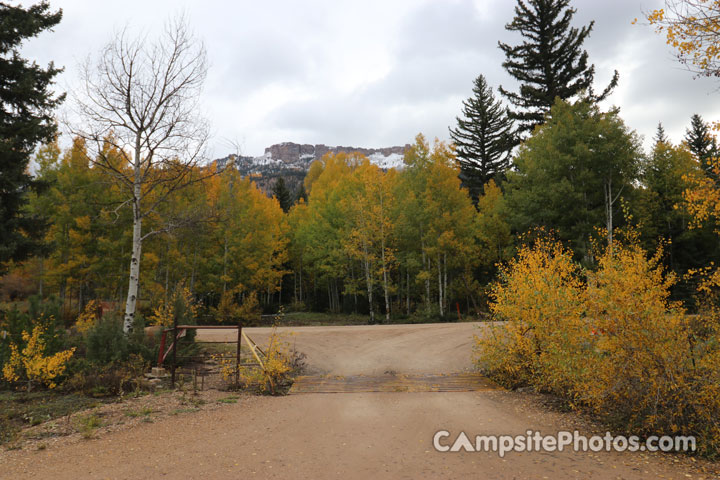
[(31, 363), (182, 305), (608, 340), (279, 361), (88, 317), (277, 366), (539, 299)]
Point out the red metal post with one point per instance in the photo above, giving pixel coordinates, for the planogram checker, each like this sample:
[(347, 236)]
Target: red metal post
[(161, 354)]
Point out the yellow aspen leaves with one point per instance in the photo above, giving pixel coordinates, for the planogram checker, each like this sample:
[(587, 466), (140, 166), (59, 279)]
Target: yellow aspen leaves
[(692, 28), (30, 363)]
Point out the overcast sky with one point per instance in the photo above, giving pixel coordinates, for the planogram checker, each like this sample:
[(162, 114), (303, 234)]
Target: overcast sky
[(375, 73)]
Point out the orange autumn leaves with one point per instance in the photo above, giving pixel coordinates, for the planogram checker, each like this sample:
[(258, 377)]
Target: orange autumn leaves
[(692, 28)]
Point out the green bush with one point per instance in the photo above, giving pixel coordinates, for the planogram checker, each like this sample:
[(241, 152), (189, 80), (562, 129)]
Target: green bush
[(106, 343)]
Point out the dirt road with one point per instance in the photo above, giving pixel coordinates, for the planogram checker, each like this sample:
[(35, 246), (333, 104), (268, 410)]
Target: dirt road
[(374, 350), (347, 436)]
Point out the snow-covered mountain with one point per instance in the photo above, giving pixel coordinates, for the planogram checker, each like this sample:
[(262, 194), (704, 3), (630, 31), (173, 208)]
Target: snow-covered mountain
[(295, 157), (292, 161)]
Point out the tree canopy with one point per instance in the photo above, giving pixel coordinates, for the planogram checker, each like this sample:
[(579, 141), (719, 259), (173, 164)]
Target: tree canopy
[(550, 62), (570, 175), (26, 119), (484, 138)]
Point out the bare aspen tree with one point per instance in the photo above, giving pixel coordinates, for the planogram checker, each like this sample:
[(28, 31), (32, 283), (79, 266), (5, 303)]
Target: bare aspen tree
[(140, 100)]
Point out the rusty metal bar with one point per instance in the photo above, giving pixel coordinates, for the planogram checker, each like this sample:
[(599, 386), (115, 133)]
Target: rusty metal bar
[(237, 357), (161, 353), (203, 327), (174, 353)]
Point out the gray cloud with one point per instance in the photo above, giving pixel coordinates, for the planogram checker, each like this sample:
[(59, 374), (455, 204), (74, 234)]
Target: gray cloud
[(375, 73)]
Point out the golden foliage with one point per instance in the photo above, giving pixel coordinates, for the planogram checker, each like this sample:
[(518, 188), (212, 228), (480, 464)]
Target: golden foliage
[(229, 311), (32, 364), (88, 317), (277, 366), (539, 297), (181, 303), (275, 371), (702, 197), (612, 342), (692, 28)]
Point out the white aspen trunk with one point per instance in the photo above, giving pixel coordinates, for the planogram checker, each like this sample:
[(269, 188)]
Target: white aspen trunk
[(136, 254), (368, 282), (609, 212), (440, 286), (427, 279), (407, 298), (134, 281), (445, 279), (385, 276)]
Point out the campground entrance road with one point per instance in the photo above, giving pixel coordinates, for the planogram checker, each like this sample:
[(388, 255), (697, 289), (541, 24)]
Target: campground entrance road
[(366, 435)]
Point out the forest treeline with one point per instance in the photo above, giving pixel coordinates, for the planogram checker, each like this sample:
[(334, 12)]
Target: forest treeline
[(402, 241), (384, 243), (424, 240)]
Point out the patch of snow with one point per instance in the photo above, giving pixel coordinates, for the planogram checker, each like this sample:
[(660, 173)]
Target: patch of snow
[(394, 160), (265, 160)]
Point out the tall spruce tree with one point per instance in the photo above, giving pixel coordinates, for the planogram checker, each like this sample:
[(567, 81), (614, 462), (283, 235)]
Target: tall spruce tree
[(550, 62), (484, 138), (660, 136), (281, 192), (700, 142), (26, 105)]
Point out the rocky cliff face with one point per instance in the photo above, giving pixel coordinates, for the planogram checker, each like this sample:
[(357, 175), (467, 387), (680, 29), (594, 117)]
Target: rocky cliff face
[(292, 161), (293, 153)]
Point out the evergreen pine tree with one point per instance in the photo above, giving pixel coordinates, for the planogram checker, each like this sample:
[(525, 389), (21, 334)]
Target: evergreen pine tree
[(550, 62), (699, 140), (282, 194), (301, 193), (25, 120), (484, 138), (660, 136)]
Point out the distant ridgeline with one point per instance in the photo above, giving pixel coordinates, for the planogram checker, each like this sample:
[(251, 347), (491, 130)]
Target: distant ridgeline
[(292, 161)]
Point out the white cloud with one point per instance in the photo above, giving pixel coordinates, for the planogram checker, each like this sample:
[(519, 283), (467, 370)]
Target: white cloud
[(375, 73)]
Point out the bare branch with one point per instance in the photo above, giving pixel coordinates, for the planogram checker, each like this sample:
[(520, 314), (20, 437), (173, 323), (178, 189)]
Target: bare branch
[(140, 121)]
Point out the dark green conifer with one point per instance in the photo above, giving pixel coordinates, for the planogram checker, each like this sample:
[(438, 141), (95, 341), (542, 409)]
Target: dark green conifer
[(550, 61), (26, 119)]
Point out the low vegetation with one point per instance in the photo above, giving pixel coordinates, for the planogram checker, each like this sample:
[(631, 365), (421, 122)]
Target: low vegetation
[(608, 340), (52, 370)]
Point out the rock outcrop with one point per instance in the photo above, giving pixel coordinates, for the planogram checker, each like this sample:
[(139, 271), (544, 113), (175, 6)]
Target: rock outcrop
[(292, 161)]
